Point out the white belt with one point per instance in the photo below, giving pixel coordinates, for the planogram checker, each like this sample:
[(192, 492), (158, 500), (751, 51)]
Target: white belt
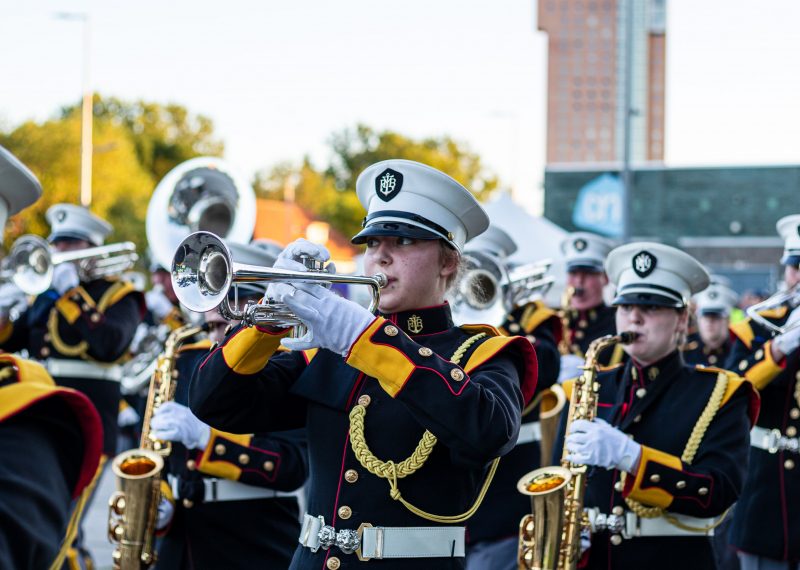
[(773, 441), (62, 368), (380, 542), (226, 490), (531, 431), (630, 525)]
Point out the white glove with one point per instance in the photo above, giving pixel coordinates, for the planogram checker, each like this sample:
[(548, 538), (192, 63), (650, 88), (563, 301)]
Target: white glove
[(333, 322), (601, 444), (174, 422), (586, 540), (158, 303), (65, 277), (788, 342), (13, 301), (165, 512), (127, 417), (289, 259), (570, 367)]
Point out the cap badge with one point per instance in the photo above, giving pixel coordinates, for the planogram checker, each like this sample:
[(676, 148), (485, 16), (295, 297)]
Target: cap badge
[(388, 184), (644, 263), (61, 216), (415, 324), (579, 244), (712, 294)]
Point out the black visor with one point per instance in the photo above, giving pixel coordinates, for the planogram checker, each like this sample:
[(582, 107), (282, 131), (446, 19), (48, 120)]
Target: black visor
[(397, 229)]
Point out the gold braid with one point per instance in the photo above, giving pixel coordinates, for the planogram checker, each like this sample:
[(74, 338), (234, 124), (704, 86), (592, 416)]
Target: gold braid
[(687, 457), (393, 471)]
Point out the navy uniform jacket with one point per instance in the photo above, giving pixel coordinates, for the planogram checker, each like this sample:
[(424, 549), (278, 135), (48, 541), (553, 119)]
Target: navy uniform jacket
[(233, 534), (50, 442), (585, 326), (93, 322), (659, 406), (408, 384), (767, 519), (504, 506), (696, 352)]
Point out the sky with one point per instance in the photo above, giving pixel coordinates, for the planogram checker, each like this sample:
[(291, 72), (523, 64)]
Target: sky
[(278, 78)]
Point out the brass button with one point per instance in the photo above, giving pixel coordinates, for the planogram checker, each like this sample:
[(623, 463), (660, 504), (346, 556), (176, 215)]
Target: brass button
[(191, 465), (345, 512), (390, 330), (531, 338), (513, 327), (269, 466), (759, 354), (794, 413), (637, 419), (46, 337), (583, 324), (617, 510), (575, 348), (85, 307), (244, 459), (641, 393), (425, 351), (95, 318), (616, 539), (653, 373), (219, 449), (333, 563), (702, 491), (187, 503), (618, 486), (712, 359), (680, 485), (579, 334), (743, 365), (791, 431), (655, 478), (45, 351), (456, 374), (788, 464), (364, 400), (351, 475)]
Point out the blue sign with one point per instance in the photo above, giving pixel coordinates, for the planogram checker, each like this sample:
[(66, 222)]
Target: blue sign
[(599, 206)]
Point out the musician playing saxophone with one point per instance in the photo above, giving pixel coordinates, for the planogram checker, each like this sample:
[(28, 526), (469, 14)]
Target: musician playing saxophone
[(669, 445)]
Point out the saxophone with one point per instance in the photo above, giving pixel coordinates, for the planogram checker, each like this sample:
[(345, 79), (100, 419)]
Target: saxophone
[(549, 537), (134, 507)]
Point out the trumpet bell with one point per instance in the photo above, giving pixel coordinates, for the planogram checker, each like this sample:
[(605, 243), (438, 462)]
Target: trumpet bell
[(202, 272), (30, 264)]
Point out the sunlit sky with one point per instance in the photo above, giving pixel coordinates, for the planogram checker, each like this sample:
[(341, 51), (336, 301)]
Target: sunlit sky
[(278, 78)]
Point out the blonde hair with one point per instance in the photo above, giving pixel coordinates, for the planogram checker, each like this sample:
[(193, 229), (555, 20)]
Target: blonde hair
[(447, 253)]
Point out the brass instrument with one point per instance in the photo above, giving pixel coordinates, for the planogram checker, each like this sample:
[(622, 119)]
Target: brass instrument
[(30, 262), (789, 298), (133, 508), (203, 271), (549, 537)]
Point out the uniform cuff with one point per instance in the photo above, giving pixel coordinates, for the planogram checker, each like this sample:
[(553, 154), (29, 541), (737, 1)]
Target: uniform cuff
[(220, 457), (374, 356), (765, 369), (655, 467), (248, 351)]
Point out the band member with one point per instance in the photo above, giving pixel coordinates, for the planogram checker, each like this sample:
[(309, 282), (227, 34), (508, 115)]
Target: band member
[(493, 531), (162, 304), (50, 437), (766, 527), (405, 412), (233, 506), (585, 316), (670, 442), (712, 342)]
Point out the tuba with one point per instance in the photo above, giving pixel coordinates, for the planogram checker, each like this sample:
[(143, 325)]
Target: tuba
[(134, 507), (549, 537), (203, 271)]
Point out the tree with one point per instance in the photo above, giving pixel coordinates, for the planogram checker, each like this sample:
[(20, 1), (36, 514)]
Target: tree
[(329, 193)]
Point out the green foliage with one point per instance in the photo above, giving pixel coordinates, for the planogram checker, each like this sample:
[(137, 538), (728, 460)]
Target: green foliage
[(329, 193)]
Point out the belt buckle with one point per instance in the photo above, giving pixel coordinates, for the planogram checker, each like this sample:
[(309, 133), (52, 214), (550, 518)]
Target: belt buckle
[(773, 441), (378, 547), (326, 535)]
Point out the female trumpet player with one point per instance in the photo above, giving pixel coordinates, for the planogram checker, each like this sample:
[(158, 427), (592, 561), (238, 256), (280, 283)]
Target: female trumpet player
[(670, 441), (405, 412)]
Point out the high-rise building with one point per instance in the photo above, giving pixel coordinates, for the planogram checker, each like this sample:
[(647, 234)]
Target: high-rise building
[(587, 77)]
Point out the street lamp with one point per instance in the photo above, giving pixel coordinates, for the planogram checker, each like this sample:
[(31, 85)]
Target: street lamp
[(86, 107)]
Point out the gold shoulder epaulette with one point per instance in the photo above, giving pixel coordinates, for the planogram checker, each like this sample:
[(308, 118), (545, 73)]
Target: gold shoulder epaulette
[(734, 380), (204, 344), (475, 329), (535, 314)]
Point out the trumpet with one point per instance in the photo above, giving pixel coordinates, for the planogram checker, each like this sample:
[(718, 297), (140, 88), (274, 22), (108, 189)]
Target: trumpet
[(30, 262), (203, 272), (789, 298)]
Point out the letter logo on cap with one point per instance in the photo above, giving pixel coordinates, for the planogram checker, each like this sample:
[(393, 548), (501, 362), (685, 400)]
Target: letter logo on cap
[(388, 183), (579, 244), (61, 216), (644, 263)]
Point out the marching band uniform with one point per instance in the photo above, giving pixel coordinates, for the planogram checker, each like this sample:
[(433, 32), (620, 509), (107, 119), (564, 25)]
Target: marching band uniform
[(50, 437), (647, 416), (403, 374), (233, 500), (585, 253), (715, 302), (81, 333), (493, 530), (766, 526)]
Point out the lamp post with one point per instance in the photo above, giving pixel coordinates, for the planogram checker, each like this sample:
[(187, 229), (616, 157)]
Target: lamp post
[(86, 106)]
